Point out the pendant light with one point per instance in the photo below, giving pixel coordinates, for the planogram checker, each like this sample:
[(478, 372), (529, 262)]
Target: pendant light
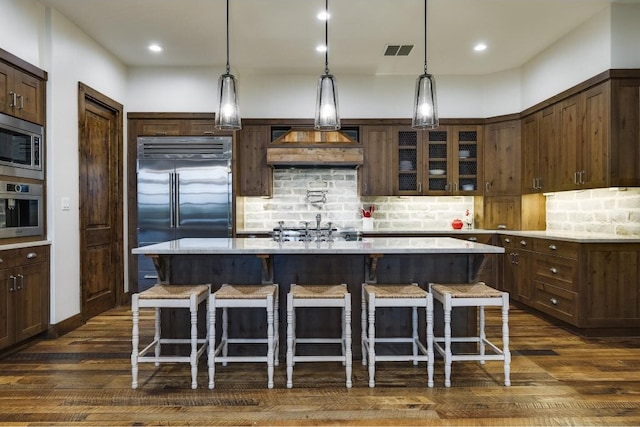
[(228, 117), (425, 108), (327, 113)]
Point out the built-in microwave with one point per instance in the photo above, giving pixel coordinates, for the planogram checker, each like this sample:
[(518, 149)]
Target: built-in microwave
[(20, 209), (20, 148)]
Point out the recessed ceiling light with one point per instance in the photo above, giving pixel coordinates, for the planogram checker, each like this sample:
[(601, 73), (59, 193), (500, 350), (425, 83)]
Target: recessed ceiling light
[(321, 48), (480, 47), (323, 16), (154, 47)]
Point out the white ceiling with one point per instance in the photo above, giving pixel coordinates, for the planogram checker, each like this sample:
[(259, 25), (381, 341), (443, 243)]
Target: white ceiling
[(280, 36)]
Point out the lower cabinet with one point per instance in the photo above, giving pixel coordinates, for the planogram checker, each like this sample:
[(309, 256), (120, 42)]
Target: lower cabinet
[(592, 286), (24, 285)]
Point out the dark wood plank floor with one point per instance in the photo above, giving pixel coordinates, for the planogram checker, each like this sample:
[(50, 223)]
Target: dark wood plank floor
[(557, 378)]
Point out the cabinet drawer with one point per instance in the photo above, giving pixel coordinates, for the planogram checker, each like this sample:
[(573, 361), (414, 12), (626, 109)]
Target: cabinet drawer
[(32, 255), (519, 242), (556, 302), (556, 247), (558, 271), (201, 127), (8, 259)]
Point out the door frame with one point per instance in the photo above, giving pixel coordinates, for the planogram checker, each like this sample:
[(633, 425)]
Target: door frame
[(85, 93)]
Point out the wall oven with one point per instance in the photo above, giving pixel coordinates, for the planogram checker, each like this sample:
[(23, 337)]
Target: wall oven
[(20, 209), (20, 148)]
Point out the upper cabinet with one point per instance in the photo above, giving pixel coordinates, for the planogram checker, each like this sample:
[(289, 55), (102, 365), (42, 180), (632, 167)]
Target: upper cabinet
[(21, 94), (502, 158), (441, 161), (254, 176), (376, 175), (539, 134)]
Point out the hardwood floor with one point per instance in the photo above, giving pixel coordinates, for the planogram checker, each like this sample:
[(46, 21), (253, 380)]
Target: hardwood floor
[(84, 378)]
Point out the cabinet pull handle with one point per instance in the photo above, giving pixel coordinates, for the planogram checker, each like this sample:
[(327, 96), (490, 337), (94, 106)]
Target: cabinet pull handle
[(553, 247), (535, 183), (553, 270), (554, 301), (21, 107), (209, 132), (21, 285), (582, 173), (14, 101), (1, 260), (13, 280), (487, 186), (523, 242), (419, 187), (32, 255), (507, 240), (473, 239)]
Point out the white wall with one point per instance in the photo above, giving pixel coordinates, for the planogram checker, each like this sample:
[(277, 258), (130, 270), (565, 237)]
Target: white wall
[(21, 29)]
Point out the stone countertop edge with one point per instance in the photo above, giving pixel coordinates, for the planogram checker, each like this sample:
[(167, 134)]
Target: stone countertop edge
[(21, 245), (367, 246), (568, 236)]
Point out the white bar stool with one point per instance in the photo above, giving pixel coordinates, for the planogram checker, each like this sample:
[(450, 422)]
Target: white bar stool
[(168, 296), (472, 295), (319, 296), (411, 296), (243, 296)]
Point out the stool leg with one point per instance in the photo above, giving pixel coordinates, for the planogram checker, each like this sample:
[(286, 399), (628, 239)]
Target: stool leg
[(276, 329), (135, 340), (347, 333), (447, 341), (414, 335), (158, 334), (363, 327), (290, 328), (193, 308), (429, 318), (270, 341), (212, 340), (505, 339), (372, 340), (482, 338), (225, 334)]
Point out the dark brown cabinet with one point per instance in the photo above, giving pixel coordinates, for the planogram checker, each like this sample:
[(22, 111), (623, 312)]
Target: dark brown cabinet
[(502, 174), (254, 175), (24, 285), (442, 161), (539, 135), (21, 94), (376, 176), (517, 267)]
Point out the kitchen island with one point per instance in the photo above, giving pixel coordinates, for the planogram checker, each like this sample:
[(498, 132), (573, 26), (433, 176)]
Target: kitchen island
[(373, 260)]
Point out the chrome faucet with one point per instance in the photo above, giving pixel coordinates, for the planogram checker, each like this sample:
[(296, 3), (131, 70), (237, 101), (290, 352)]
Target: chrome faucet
[(318, 220)]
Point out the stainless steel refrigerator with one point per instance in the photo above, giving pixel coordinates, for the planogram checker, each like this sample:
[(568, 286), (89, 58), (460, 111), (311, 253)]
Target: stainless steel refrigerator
[(184, 190)]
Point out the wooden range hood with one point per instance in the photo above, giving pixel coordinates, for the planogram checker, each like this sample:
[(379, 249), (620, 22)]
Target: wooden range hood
[(304, 147)]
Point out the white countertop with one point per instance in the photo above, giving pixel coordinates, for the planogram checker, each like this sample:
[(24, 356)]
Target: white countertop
[(25, 244), (377, 245)]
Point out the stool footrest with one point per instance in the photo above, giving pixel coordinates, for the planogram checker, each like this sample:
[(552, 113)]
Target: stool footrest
[(327, 358)]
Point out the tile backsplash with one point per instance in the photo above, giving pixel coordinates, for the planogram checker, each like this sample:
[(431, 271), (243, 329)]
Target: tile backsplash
[(300, 194), (603, 210)]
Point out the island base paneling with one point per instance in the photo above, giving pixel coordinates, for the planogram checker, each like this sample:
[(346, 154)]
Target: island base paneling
[(319, 269)]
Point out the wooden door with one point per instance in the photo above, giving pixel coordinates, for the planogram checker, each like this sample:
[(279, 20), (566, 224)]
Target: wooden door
[(564, 157), (502, 174), (100, 161), (530, 153), (254, 177), (32, 300), (380, 161), (547, 142), (29, 106), (6, 86)]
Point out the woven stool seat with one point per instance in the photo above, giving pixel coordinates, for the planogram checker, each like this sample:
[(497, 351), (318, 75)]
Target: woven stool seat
[(472, 295), (396, 296), (161, 297), (237, 296), (173, 292), (324, 296)]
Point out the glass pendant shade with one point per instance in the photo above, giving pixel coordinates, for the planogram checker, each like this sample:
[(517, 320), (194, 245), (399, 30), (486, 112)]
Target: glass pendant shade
[(425, 108), (228, 116), (327, 112)]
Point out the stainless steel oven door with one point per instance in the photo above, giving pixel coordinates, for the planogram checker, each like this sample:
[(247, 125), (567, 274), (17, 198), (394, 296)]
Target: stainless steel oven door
[(20, 209)]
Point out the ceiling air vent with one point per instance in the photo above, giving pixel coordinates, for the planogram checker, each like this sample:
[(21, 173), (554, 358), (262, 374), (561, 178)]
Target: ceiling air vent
[(397, 49)]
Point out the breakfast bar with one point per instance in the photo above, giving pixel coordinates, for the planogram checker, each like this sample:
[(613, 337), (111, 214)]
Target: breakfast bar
[(371, 260)]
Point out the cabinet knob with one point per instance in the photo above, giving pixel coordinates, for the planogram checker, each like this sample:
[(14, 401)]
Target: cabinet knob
[(1, 260), (553, 247), (507, 240), (473, 239), (554, 301), (554, 270), (523, 242), (32, 255)]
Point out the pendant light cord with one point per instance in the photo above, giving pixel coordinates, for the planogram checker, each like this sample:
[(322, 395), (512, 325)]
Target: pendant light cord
[(228, 68), (425, 36), (326, 36)]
